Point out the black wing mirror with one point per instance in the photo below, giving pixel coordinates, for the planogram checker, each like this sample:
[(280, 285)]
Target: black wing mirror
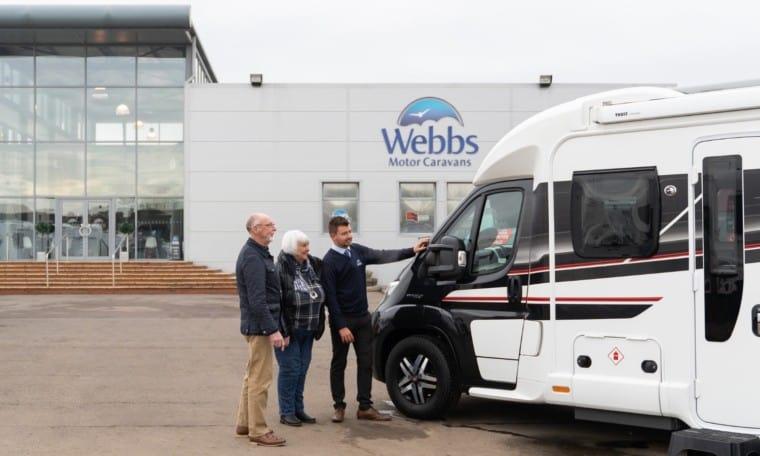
[(446, 259)]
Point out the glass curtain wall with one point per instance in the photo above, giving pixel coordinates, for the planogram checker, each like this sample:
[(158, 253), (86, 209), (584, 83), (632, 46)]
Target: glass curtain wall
[(87, 122)]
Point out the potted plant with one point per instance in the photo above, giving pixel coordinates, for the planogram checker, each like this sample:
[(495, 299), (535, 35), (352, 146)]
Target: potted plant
[(45, 230), (126, 229)]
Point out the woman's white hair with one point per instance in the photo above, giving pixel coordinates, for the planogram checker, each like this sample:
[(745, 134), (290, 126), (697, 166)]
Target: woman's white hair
[(292, 239)]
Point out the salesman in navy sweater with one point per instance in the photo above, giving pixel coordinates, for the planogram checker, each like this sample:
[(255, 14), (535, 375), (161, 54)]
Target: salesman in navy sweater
[(344, 281)]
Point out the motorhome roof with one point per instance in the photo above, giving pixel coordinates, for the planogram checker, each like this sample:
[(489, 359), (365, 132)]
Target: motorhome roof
[(522, 152)]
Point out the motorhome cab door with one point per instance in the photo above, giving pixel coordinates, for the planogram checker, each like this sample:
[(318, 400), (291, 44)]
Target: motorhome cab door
[(488, 300), (727, 280)]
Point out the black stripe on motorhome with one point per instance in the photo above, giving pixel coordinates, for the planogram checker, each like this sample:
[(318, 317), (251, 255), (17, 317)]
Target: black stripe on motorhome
[(575, 311)]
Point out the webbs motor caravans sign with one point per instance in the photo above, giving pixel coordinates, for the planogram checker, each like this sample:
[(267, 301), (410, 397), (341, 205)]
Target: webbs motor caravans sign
[(429, 134)]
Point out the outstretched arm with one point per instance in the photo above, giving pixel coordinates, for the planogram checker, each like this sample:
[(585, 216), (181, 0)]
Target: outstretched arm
[(372, 256)]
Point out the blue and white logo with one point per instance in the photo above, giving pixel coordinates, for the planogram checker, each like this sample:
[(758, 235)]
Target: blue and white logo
[(429, 127), (428, 108)]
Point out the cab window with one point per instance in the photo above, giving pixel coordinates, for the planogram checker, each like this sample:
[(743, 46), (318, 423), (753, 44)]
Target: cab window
[(497, 232), (462, 227)]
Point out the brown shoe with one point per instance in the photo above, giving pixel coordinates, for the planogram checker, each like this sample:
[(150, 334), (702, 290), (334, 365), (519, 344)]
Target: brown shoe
[(339, 415), (372, 415), (241, 430), (269, 439)]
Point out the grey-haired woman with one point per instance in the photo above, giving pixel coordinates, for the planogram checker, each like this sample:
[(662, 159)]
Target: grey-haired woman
[(304, 317)]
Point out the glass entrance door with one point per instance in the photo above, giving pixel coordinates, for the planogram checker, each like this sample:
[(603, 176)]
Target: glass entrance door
[(98, 239), (84, 229)]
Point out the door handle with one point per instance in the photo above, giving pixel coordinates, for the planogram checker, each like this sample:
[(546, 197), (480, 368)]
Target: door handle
[(514, 291)]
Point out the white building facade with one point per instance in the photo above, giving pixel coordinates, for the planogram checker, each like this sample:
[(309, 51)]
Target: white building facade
[(396, 159)]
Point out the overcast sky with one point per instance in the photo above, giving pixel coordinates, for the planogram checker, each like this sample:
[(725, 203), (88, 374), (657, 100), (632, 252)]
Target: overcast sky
[(664, 41)]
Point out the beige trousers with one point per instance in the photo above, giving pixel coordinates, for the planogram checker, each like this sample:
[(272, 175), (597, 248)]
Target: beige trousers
[(258, 378)]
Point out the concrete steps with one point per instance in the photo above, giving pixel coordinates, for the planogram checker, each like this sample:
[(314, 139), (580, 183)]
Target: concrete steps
[(96, 277)]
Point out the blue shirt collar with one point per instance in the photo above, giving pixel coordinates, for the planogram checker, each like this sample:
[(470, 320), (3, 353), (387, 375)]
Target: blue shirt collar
[(340, 250)]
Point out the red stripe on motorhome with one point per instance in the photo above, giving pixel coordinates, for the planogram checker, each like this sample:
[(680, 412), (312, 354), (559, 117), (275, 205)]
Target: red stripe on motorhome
[(563, 299)]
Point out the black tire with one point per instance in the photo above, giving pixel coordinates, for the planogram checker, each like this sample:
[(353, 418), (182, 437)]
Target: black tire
[(409, 387)]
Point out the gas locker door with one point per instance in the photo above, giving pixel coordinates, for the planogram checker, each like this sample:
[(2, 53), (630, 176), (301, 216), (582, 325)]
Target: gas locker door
[(727, 217)]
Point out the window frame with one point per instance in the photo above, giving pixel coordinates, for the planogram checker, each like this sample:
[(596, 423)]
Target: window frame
[(655, 199)]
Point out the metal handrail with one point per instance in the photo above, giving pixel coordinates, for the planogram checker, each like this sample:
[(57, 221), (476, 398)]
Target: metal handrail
[(58, 257), (8, 246), (113, 261), (67, 238), (47, 271)]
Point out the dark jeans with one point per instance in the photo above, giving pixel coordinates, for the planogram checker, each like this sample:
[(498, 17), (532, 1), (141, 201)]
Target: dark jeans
[(294, 362), (361, 328)]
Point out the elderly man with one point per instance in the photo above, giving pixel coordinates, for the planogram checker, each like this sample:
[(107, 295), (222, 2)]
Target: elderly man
[(261, 324)]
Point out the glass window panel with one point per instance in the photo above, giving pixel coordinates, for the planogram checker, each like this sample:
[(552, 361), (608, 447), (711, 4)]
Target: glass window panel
[(340, 198), (110, 114), (417, 190), (159, 221), (16, 66), (497, 232), (45, 224), (615, 214), (60, 169), (340, 190), (60, 66), (161, 115), (161, 66), (111, 66), (60, 114), (160, 170), (16, 229), (455, 193), (16, 115), (723, 234), (110, 170), (16, 169), (125, 225), (344, 208), (417, 207), (462, 228)]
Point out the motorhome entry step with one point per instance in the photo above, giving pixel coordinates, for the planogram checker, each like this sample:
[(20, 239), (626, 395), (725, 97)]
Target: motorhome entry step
[(713, 442)]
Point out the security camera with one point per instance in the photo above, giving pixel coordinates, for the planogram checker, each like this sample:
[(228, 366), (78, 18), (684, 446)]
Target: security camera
[(257, 79)]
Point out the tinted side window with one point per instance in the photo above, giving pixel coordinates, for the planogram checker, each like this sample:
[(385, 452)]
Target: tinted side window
[(615, 214), (723, 244)]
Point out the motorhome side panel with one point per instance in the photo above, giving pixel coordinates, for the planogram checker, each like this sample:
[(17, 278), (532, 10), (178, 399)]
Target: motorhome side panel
[(622, 291)]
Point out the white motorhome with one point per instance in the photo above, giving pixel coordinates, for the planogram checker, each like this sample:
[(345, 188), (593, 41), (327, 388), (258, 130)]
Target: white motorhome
[(604, 261)]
